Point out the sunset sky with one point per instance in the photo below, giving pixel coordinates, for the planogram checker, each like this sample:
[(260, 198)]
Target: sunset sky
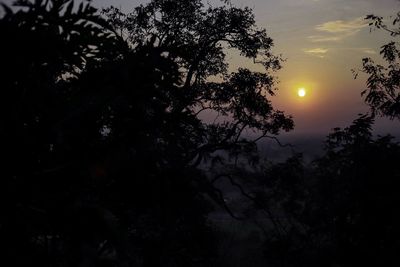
[(321, 40)]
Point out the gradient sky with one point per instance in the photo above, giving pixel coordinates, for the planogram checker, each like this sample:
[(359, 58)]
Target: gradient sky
[(322, 40)]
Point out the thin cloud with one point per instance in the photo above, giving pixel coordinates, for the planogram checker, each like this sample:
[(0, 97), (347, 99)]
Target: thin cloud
[(338, 30), (322, 38), (369, 51), (340, 26), (365, 50), (319, 52)]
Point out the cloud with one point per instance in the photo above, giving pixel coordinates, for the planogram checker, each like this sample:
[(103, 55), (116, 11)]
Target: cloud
[(369, 51), (323, 38), (319, 52), (365, 50), (340, 26), (338, 30)]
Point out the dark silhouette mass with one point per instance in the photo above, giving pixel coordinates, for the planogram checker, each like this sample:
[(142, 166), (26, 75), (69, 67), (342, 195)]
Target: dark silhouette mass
[(122, 133), (383, 85), (101, 131)]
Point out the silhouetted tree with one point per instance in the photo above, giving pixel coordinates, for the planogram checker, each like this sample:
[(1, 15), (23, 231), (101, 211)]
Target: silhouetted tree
[(49, 214), (342, 211), (196, 39), (357, 200), (383, 84), (102, 129)]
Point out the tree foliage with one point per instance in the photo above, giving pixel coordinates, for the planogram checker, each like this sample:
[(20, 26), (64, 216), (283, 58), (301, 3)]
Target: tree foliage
[(102, 128), (342, 210), (196, 38), (383, 93)]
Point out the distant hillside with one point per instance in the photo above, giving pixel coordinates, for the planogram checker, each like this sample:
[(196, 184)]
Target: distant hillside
[(311, 146)]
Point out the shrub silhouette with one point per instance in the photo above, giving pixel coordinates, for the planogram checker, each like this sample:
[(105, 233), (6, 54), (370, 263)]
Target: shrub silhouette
[(341, 211)]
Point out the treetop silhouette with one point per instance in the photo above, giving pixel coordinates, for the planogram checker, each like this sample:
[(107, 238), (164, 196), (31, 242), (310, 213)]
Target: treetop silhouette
[(382, 93), (102, 128)]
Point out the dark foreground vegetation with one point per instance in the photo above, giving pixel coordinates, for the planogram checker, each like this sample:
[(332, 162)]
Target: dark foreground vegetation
[(121, 133)]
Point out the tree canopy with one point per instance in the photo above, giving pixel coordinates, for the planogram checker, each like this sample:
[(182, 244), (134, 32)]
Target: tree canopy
[(341, 210), (383, 84), (103, 134)]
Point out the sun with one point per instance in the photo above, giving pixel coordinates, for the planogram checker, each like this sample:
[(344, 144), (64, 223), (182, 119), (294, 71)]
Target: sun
[(301, 92)]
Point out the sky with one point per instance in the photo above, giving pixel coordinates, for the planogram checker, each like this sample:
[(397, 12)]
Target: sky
[(321, 41)]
